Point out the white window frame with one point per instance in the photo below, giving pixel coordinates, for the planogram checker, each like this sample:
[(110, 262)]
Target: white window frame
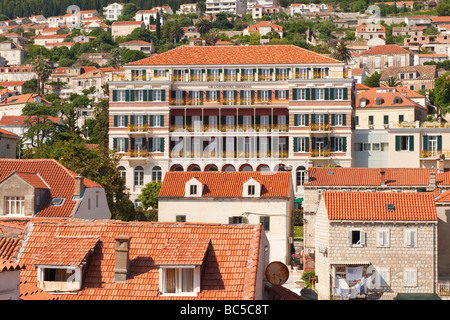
[(156, 95), (120, 144), (383, 238), (338, 93), (338, 144), (410, 277), (301, 144), (301, 94), (383, 277), (179, 279), (14, 205), (362, 238), (338, 119), (411, 238), (121, 95), (320, 94), (121, 121)]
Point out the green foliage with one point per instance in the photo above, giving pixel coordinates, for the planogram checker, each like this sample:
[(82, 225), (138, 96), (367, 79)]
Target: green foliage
[(149, 194), (133, 55), (298, 217), (306, 275), (443, 9), (373, 80), (441, 93)]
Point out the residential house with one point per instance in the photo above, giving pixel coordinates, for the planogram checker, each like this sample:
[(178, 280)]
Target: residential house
[(419, 77), (412, 31), (101, 58), (359, 74), (13, 53), (303, 9), (95, 25), (399, 4), (421, 58), (190, 33), (93, 78), (8, 142), (144, 46), (55, 21), (238, 7), (438, 44), (83, 38), (67, 44), (370, 31), (149, 16), (17, 125), (52, 31), (151, 261), (385, 240), (112, 11), (124, 28), (45, 188), (258, 11), (252, 104), (188, 8), (38, 19), (15, 86), (386, 56), (233, 198), (13, 105), (42, 40), (264, 27)]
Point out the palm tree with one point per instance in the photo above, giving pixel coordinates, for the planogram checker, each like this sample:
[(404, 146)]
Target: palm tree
[(211, 37), (393, 82), (203, 26), (425, 50), (342, 52), (42, 69)]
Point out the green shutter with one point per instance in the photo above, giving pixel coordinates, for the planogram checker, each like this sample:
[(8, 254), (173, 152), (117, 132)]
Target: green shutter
[(151, 124), (333, 119), (287, 94), (145, 95), (344, 144), (344, 119), (295, 119), (326, 119), (411, 143), (308, 93), (126, 121), (386, 119), (150, 95), (144, 117), (327, 94), (294, 94), (161, 148), (307, 143), (332, 143), (439, 142), (345, 93), (295, 144), (126, 144), (331, 93), (425, 143), (306, 119), (401, 118), (397, 143), (144, 143), (115, 121), (150, 145), (114, 95), (115, 143), (161, 120), (127, 95), (132, 142), (313, 119), (132, 95), (132, 119), (163, 95)]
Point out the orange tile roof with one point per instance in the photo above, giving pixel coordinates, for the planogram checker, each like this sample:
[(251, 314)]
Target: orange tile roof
[(413, 206), (183, 252), (19, 121), (33, 179), (341, 176), (229, 270), (6, 265), (52, 36), (388, 98), (235, 55), (60, 179), (226, 184), (385, 49), (377, 27), (444, 197), (8, 246), (123, 23), (66, 251), (256, 27), (12, 83), (8, 133), (23, 98), (29, 291)]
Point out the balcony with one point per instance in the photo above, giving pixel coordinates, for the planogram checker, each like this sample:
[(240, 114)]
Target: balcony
[(228, 101), (213, 78), (319, 127), (280, 154), (230, 78), (137, 153), (319, 153), (434, 153), (282, 77), (178, 77), (194, 102), (177, 102), (265, 77), (300, 75), (196, 78), (137, 128), (248, 77), (247, 101)]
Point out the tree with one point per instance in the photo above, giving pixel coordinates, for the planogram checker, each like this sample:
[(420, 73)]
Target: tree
[(393, 82), (430, 31), (149, 194), (211, 37), (342, 52), (203, 26), (441, 93), (38, 126), (201, 6), (443, 9), (42, 70), (133, 55), (117, 57), (128, 11), (101, 115), (140, 34), (373, 80)]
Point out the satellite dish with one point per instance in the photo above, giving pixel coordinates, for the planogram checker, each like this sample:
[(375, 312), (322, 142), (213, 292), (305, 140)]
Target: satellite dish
[(277, 273)]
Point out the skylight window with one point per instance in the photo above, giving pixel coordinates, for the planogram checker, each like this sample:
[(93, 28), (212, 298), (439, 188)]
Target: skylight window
[(57, 201), (390, 207)]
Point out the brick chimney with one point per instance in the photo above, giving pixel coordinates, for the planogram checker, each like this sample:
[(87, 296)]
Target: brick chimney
[(440, 163), (122, 263), (432, 179), (383, 178), (79, 185)]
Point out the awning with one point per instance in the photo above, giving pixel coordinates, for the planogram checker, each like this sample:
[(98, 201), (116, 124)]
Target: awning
[(298, 200), (350, 262)]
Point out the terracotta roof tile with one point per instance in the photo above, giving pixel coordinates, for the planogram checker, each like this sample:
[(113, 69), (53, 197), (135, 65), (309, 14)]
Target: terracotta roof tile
[(183, 252), (33, 179), (10, 121), (389, 98), (229, 269), (235, 55), (29, 291), (414, 206), (6, 265), (8, 133), (66, 251), (226, 184), (385, 49)]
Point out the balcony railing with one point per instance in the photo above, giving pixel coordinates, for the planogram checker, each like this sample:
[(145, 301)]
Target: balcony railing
[(265, 77), (178, 77), (247, 101), (247, 77), (137, 128), (196, 78), (299, 75), (137, 153), (227, 101), (319, 127), (434, 153), (230, 78), (194, 102), (213, 78), (280, 127), (280, 154), (177, 102), (282, 77), (319, 153)]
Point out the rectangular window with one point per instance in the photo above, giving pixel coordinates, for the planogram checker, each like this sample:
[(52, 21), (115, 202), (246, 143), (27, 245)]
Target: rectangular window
[(320, 94), (156, 95), (14, 205), (193, 190), (121, 95), (358, 146), (338, 93), (121, 121), (338, 118), (302, 119), (180, 218), (404, 143), (302, 144), (178, 280), (383, 238), (410, 238), (382, 279), (357, 238), (410, 277), (370, 120), (265, 221), (121, 145), (251, 190), (301, 94), (235, 220)]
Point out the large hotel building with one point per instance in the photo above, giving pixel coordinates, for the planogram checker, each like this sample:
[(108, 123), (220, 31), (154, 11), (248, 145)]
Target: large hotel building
[(231, 108)]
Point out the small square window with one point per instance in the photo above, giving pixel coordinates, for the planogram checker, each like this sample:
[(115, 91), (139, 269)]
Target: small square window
[(390, 207), (180, 218)]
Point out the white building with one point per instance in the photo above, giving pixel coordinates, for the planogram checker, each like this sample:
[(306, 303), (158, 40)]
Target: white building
[(112, 11), (233, 198), (238, 7)]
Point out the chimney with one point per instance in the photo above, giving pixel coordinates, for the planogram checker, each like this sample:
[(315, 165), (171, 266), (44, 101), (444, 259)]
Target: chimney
[(122, 264), (432, 179), (307, 175), (383, 178), (79, 185), (440, 164)]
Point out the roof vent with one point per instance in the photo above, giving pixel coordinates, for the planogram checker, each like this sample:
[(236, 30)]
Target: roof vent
[(330, 172), (390, 207)]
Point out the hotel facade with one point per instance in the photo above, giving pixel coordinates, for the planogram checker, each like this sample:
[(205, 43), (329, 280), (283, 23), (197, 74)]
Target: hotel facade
[(238, 108)]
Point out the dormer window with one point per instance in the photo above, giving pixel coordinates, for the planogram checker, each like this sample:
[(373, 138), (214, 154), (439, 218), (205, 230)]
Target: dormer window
[(378, 101), (362, 103), (57, 202), (251, 190), (398, 100), (193, 190)]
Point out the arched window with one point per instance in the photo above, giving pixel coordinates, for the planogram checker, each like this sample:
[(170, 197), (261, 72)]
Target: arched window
[(300, 176), (138, 176), (157, 174), (122, 172)]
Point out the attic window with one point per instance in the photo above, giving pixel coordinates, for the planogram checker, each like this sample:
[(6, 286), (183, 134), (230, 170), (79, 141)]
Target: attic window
[(378, 101), (251, 190), (330, 172), (390, 207), (398, 100), (193, 190), (57, 201)]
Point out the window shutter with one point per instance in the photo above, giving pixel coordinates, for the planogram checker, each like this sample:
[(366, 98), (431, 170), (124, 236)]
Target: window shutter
[(114, 95), (126, 121), (425, 143), (344, 144), (308, 94), (326, 119), (333, 119), (349, 238), (294, 94), (345, 93), (306, 119), (439, 143), (327, 94), (381, 240), (295, 144), (397, 143), (132, 119), (332, 144), (313, 94), (161, 120), (411, 143), (362, 235), (144, 119), (407, 237), (132, 143), (145, 95), (344, 119), (144, 144), (287, 94), (307, 144), (332, 94), (151, 124), (161, 144), (150, 145), (127, 95), (163, 95), (276, 93), (150, 95), (313, 119), (207, 95), (115, 143), (325, 143), (126, 144), (132, 95), (115, 121), (295, 119)]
